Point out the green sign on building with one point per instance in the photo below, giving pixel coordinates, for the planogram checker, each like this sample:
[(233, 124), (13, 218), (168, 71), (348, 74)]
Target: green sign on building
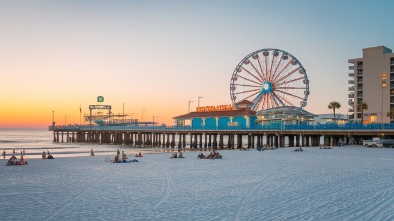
[(100, 99)]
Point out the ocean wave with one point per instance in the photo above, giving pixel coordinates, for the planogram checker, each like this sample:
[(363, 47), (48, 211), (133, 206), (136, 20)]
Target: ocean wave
[(8, 141)]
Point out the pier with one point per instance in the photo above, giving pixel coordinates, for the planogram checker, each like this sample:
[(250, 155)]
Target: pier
[(222, 138)]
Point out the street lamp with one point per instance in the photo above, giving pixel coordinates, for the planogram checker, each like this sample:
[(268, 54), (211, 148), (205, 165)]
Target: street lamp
[(142, 116), (154, 120), (189, 105), (65, 120), (199, 101), (383, 86)]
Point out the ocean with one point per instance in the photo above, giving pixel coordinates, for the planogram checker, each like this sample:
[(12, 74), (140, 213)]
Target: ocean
[(35, 141)]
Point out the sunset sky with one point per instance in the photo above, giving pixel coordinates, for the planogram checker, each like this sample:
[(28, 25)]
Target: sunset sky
[(156, 56)]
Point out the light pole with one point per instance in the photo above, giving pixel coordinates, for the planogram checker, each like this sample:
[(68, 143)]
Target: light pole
[(131, 117), (154, 120), (383, 86), (53, 118), (65, 120), (189, 105), (142, 116), (199, 101)]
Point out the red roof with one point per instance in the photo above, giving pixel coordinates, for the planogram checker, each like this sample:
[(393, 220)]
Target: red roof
[(230, 113)]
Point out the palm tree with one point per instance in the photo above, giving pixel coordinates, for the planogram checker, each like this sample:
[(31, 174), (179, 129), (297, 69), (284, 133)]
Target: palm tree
[(390, 114), (334, 105), (361, 106)]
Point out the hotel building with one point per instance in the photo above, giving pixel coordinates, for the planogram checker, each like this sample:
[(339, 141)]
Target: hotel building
[(372, 82)]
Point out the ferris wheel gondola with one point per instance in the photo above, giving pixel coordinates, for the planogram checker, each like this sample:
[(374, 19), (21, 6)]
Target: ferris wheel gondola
[(270, 78)]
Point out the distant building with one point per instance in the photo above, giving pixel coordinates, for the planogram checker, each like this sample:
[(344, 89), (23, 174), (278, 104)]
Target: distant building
[(372, 82)]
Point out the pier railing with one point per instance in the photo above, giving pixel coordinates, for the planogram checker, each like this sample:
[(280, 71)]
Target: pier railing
[(275, 127)]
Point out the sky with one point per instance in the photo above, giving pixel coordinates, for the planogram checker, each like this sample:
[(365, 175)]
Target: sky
[(151, 58)]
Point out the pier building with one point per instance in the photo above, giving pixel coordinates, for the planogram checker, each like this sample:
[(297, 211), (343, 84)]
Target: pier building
[(220, 116)]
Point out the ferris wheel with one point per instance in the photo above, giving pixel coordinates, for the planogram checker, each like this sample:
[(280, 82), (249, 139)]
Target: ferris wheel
[(270, 78)]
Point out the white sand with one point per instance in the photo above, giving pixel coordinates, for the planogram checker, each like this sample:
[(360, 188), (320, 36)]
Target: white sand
[(345, 183)]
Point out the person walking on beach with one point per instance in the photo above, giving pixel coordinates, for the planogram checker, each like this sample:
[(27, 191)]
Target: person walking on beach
[(91, 152), (4, 154), (44, 156), (117, 152)]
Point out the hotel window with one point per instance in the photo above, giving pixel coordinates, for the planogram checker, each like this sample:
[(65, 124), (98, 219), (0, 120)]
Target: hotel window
[(391, 99), (360, 79), (392, 76), (391, 106), (359, 100), (392, 92), (391, 60)]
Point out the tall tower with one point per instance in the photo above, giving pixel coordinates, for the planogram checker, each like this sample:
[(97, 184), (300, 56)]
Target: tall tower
[(372, 82)]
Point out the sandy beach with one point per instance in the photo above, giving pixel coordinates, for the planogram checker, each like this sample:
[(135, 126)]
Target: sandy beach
[(344, 183)]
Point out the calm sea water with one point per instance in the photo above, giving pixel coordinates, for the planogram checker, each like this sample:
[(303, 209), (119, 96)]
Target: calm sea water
[(35, 141)]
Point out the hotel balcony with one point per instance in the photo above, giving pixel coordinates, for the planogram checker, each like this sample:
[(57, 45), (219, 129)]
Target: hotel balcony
[(351, 95), (351, 81), (360, 66), (351, 74), (351, 67), (351, 88), (360, 72), (350, 110), (351, 102)]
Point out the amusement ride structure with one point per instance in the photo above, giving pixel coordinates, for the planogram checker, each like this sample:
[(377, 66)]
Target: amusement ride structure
[(270, 78)]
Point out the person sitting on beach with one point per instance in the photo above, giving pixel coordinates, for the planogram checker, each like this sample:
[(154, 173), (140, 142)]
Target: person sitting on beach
[(300, 149), (116, 158), (21, 162), (44, 156), (140, 155), (209, 156), (201, 156), (124, 158), (180, 155), (174, 155), (91, 152), (50, 157)]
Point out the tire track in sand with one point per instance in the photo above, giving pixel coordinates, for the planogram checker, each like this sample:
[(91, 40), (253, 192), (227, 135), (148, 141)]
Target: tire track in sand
[(169, 183), (253, 189), (73, 198)]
